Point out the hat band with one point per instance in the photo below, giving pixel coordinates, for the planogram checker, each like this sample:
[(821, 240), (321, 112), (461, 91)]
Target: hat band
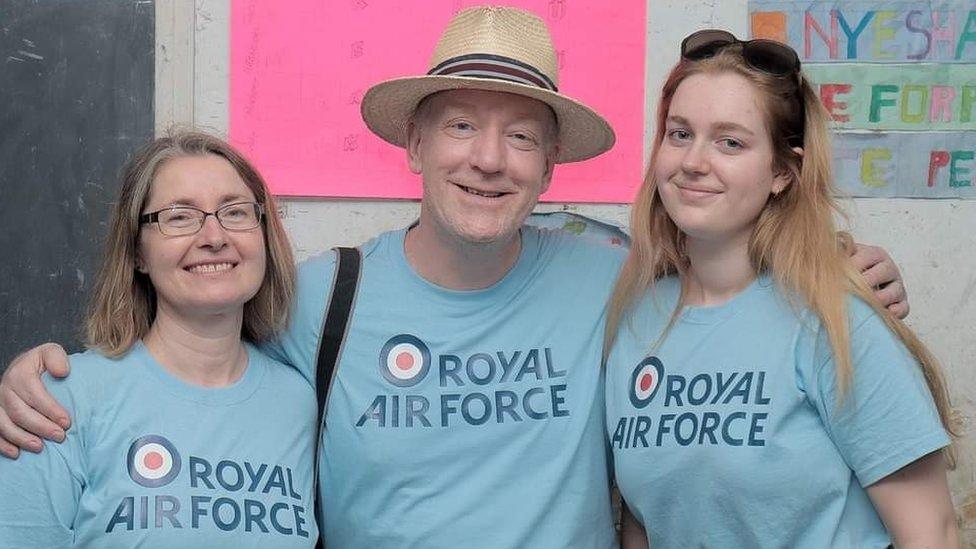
[(497, 67)]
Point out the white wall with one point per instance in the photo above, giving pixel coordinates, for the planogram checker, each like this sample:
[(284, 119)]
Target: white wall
[(932, 240)]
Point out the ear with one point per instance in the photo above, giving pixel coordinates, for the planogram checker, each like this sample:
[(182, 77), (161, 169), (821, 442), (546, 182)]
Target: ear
[(414, 132), (550, 167), (140, 264), (783, 179)]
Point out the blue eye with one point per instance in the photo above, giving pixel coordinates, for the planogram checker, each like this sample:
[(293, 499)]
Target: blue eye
[(459, 128), (235, 211), (730, 143), (523, 141), (679, 134)]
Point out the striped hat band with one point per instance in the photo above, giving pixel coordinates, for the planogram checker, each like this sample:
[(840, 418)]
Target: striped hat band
[(497, 67)]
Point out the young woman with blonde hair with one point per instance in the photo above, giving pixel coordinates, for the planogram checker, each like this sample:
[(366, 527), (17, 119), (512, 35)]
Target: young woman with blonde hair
[(758, 395)]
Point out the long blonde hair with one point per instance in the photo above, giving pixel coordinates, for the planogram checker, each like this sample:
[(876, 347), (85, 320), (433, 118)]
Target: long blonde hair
[(794, 239), (123, 303)]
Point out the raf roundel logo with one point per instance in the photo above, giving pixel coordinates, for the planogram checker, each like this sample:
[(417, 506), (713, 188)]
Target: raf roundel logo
[(153, 461), (645, 381), (404, 360)]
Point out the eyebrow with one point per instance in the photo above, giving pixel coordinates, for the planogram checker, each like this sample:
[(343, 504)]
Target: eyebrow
[(719, 126), (522, 116), (225, 199)]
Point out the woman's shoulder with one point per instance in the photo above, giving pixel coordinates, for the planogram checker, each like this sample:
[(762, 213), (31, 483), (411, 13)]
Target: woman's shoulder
[(92, 374), (277, 373), (863, 320), (94, 367)]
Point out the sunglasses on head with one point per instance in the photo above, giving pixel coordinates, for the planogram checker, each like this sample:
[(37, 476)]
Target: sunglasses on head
[(767, 56)]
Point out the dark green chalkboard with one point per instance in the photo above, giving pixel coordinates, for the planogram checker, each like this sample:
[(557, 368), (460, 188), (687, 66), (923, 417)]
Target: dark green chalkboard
[(76, 99)]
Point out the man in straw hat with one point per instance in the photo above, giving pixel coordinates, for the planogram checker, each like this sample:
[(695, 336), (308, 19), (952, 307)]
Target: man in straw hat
[(466, 410), (482, 424)]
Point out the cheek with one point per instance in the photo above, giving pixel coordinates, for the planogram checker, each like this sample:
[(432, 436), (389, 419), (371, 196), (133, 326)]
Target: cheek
[(668, 162), (253, 247), (258, 250), (153, 255), (531, 170)]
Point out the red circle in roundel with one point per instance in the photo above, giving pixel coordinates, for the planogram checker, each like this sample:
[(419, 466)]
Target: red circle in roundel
[(404, 361), (153, 460), (645, 381)]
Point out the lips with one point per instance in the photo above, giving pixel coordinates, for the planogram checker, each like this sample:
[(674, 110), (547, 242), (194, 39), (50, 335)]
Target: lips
[(477, 192), (696, 189)]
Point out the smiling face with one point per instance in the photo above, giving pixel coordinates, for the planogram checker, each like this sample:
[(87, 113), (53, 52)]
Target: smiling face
[(214, 271), (714, 168), (485, 158)]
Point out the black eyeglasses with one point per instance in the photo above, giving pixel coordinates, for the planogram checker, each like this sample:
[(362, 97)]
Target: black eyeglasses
[(767, 56), (187, 220)]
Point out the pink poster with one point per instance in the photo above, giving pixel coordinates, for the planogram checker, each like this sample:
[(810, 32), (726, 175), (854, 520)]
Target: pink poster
[(299, 70)]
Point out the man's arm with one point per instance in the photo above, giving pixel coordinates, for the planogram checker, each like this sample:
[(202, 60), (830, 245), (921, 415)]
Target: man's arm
[(632, 534), (881, 273), (27, 409)]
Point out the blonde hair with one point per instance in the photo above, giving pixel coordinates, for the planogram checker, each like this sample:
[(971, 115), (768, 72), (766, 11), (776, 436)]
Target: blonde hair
[(794, 239), (123, 303)]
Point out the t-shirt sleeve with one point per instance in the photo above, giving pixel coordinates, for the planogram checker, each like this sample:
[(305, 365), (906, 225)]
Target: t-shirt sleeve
[(298, 345), (39, 493), (888, 418)]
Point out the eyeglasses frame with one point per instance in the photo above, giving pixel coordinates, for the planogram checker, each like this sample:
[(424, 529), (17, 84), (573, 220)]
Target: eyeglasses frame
[(153, 217)]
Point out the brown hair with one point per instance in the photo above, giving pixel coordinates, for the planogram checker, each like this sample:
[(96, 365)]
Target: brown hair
[(794, 239), (123, 303)]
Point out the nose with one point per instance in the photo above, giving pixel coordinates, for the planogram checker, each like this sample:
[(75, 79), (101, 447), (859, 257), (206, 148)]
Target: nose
[(212, 234), (694, 160), (488, 152)]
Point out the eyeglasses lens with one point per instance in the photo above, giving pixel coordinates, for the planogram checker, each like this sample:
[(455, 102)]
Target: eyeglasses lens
[(770, 57), (239, 216), (705, 44)]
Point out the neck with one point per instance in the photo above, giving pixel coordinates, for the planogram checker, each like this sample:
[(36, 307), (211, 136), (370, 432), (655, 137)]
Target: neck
[(719, 270), (457, 265), (203, 351)]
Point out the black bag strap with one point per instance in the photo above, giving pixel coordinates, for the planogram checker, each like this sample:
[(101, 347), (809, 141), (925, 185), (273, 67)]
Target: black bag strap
[(333, 334)]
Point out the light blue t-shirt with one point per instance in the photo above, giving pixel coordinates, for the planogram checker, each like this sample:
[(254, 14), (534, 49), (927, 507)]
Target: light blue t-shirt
[(465, 418), (729, 433), (151, 461)]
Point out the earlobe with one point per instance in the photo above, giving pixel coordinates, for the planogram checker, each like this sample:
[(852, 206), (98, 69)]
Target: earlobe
[(140, 265)]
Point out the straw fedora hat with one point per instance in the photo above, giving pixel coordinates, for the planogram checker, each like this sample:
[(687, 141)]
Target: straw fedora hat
[(493, 49)]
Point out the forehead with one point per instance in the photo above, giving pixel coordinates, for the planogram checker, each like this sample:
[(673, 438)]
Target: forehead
[(197, 180), (709, 99), (490, 102)]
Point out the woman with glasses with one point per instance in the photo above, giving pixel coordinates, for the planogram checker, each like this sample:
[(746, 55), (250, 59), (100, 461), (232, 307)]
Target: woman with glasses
[(757, 393), (184, 433)]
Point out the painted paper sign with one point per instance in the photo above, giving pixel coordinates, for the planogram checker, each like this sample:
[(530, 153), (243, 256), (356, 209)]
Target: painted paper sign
[(898, 79), (299, 70), (870, 30), (898, 97), (923, 165)]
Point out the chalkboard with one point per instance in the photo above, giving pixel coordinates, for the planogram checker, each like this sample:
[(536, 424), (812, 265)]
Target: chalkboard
[(76, 99)]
